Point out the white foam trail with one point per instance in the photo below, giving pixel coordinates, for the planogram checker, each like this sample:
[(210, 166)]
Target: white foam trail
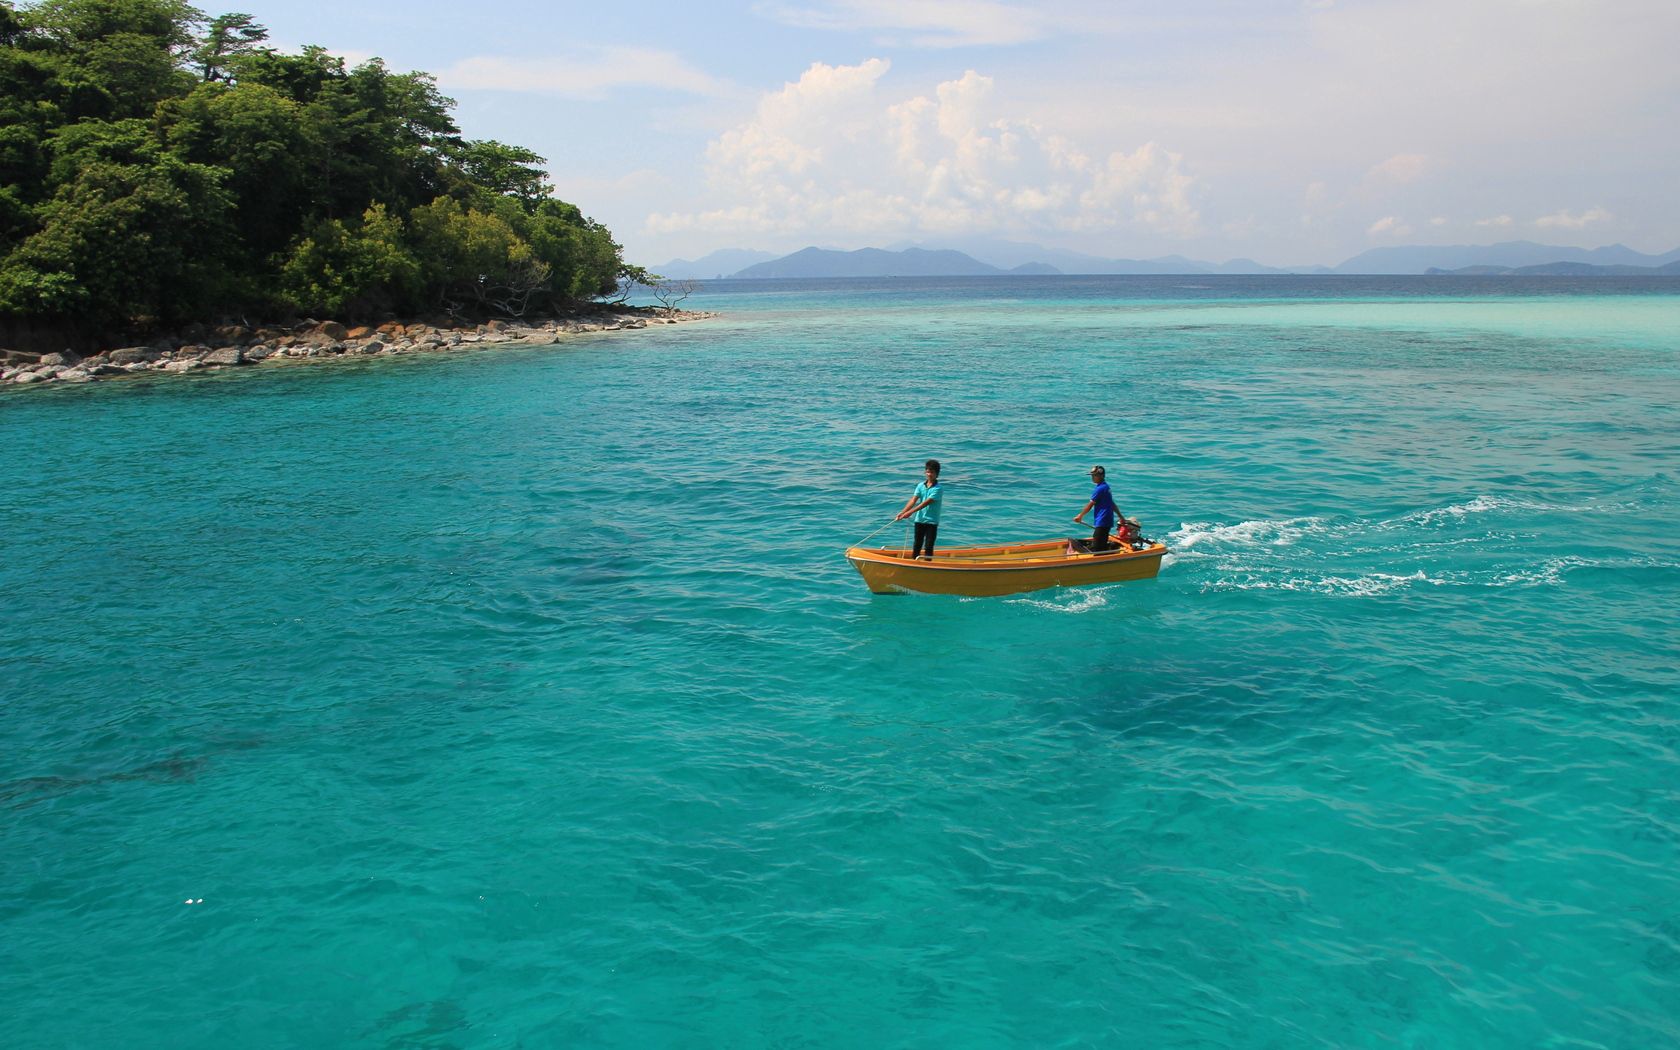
[(1080, 600), (1288, 531), (1369, 585), (1549, 571), (1244, 533), (1485, 504)]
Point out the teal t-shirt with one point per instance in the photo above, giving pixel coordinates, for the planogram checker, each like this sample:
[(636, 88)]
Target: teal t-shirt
[(929, 514)]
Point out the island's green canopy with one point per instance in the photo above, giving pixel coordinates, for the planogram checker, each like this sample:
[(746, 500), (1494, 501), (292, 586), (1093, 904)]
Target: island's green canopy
[(158, 165)]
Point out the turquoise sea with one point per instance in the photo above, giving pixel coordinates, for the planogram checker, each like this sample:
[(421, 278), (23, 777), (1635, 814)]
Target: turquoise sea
[(523, 698)]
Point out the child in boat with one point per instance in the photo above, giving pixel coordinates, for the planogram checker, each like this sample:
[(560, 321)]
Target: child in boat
[(1107, 516), (923, 507)]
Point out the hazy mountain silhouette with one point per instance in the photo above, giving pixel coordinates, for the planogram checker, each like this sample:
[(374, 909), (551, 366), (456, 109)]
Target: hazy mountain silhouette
[(870, 262), (1420, 259), (723, 263), (976, 256), (1565, 269)]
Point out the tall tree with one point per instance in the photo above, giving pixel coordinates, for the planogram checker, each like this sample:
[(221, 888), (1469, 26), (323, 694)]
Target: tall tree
[(155, 164), (228, 37)]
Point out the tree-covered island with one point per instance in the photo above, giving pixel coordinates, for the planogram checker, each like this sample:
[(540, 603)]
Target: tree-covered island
[(159, 167)]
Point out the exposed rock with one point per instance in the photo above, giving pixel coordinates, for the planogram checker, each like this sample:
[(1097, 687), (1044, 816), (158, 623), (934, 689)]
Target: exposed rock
[(201, 346)]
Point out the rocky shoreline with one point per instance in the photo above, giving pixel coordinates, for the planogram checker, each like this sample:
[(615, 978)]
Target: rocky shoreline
[(201, 347)]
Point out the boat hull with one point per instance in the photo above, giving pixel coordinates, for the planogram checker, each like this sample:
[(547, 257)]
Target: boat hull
[(1015, 568)]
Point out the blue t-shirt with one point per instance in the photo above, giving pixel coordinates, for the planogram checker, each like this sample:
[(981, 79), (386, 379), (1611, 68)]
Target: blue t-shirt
[(929, 514), (1102, 504)]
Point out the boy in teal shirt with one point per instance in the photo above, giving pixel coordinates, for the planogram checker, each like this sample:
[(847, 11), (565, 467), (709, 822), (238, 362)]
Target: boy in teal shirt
[(924, 505)]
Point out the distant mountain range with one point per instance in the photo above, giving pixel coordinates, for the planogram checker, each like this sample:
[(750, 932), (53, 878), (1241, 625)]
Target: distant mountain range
[(1510, 255), (875, 262), (1563, 269), (979, 257), (724, 263)]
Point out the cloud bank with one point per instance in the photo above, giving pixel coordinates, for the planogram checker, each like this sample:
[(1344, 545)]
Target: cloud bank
[(835, 151)]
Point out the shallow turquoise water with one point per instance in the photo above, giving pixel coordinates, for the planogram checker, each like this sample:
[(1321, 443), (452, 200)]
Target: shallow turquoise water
[(522, 698)]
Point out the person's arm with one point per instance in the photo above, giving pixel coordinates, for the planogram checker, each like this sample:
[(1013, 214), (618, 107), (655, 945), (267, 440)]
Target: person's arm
[(1088, 505), (909, 510)]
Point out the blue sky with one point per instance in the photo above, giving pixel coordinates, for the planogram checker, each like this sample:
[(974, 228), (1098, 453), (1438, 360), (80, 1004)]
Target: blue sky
[(1286, 131)]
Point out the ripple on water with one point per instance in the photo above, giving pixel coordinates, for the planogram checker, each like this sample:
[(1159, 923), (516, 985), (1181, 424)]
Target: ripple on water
[(529, 694)]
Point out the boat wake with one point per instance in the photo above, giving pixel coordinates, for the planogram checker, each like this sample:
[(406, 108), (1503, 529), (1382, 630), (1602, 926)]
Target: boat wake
[(1072, 600), (1486, 541)]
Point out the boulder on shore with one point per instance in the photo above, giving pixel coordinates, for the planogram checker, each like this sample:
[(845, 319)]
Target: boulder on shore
[(133, 355), (203, 346)]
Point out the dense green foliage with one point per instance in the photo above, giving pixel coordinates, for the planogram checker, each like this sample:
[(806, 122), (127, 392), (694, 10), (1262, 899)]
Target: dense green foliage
[(156, 164)]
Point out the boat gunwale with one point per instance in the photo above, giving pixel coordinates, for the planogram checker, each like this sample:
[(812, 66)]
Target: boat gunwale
[(878, 556)]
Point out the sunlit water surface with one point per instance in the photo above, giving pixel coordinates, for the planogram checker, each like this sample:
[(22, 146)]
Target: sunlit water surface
[(523, 697)]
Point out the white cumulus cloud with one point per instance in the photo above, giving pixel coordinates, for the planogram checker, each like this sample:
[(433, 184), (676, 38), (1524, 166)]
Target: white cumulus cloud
[(835, 154), (1564, 220), (1400, 169), (1389, 226), (1497, 220)]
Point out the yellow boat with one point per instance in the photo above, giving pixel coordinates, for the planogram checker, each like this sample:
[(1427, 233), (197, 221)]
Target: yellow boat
[(1011, 568)]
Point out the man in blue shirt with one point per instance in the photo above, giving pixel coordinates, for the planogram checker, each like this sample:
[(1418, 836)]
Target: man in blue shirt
[(924, 505), (1102, 501)]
